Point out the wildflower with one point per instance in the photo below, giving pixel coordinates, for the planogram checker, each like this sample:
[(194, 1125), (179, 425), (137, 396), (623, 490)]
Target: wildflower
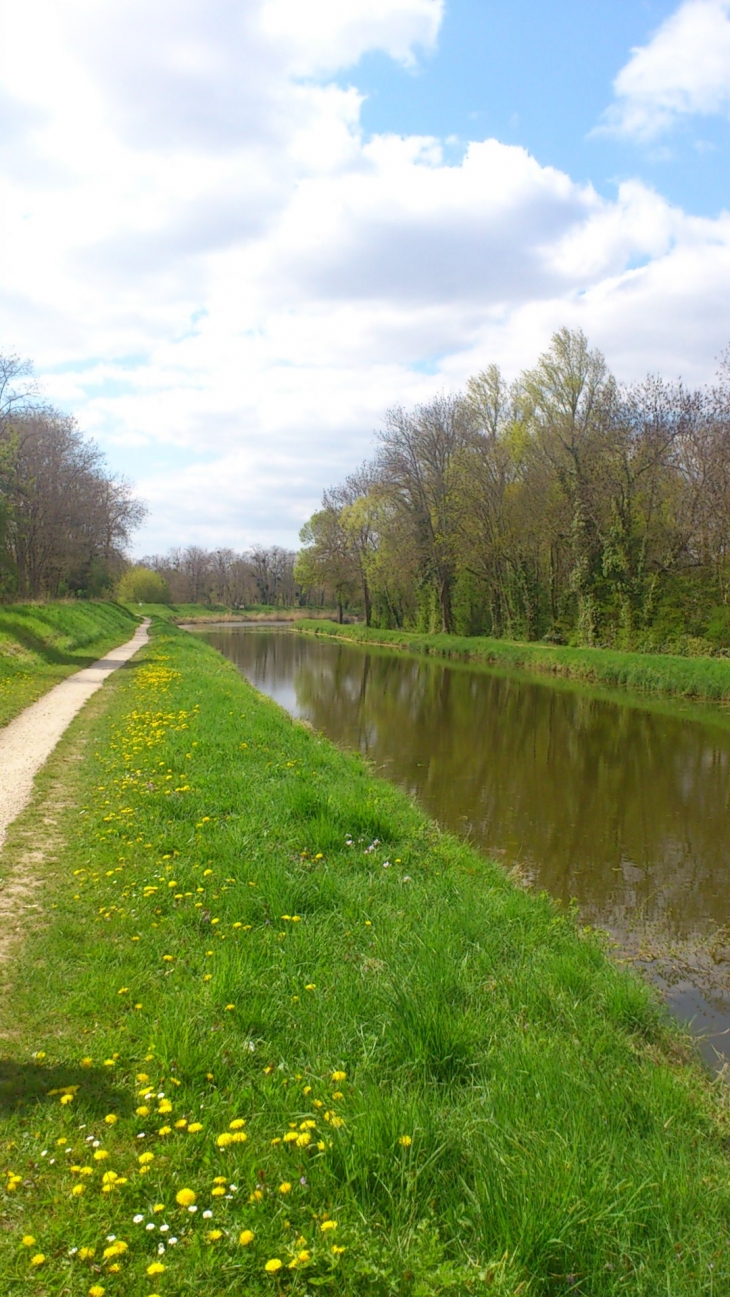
[(237, 1123), (405, 1141), (111, 1119), (168, 958), (138, 1218), (38, 1259), (155, 1267), (304, 1139), (185, 1197), (224, 1140), (285, 1187), (304, 1256), (337, 1251), (165, 1130), (181, 1124), (245, 1237), (86, 1253), (311, 986), (273, 1265), (159, 1206), (230, 1007), (144, 1158), (194, 1127), (213, 1235), (96, 1290), (100, 1155), (117, 1248), (328, 1225), (339, 1076), (218, 1191), (67, 1098)]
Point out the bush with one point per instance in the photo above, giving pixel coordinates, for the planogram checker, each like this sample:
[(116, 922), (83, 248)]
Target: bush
[(142, 585)]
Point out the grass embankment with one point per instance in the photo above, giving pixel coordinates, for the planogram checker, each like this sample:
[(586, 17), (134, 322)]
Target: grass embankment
[(276, 1032), (41, 644), (201, 612), (659, 673)]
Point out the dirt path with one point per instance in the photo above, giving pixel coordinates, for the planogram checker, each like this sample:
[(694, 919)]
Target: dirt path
[(28, 741)]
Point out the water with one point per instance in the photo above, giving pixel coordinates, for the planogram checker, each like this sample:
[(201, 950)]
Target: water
[(618, 804)]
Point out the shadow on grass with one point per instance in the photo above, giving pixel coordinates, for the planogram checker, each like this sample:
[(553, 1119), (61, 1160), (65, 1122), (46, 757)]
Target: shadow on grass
[(25, 1087)]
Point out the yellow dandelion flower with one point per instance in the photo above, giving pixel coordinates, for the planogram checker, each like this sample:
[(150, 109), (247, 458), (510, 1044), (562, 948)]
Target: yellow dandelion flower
[(230, 1008), (213, 1235), (96, 1290), (245, 1237), (164, 1106), (67, 1098), (220, 1179), (273, 1265), (111, 1119), (285, 1187), (142, 1076), (194, 1127), (143, 1110), (159, 1206), (224, 1140), (168, 958), (156, 1267), (144, 1158), (181, 1124), (339, 1076), (405, 1141), (304, 1139), (239, 1137), (100, 1154), (38, 1259), (165, 1130), (28, 1240), (218, 1191), (337, 1251), (78, 1190), (328, 1225), (236, 1124), (86, 1253), (185, 1197)]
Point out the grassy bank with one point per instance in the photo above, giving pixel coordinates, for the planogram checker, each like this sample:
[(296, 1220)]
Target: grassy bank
[(201, 613), (705, 678), (274, 1033), (41, 644)]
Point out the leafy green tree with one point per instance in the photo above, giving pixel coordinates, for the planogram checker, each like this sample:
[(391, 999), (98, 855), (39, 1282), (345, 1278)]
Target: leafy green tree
[(142, 585)]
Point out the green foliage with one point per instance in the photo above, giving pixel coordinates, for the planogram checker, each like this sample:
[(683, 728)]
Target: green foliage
[(141, 585), (41, 644), (492, 1103)]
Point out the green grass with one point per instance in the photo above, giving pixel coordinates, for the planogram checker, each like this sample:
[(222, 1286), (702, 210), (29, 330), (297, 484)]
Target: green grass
[(200, 612), (703, 678), (41, 644), (236, 911)]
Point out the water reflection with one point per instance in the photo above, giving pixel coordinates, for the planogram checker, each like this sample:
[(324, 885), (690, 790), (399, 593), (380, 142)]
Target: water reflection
[(621, 807)]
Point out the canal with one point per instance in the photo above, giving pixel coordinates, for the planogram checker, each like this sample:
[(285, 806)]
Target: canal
[(619, 805)]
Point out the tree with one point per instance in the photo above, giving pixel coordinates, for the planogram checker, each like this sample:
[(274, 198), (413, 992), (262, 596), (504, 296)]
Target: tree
[(141, 585)]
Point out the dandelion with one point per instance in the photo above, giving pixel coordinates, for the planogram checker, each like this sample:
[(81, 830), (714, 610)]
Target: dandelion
[(194, 1127), (339, 1076), (213, 1235), (237, 1123), (165, 1130), (245, 1237), (86, 1253), (96, 1290), (155, 1267), (218, 1191), (224, 1140), (67, 1098), (273, 1265), (100, 1154), (145, 1158), (185, 1197), (328, 1225), (405, 1141), (337, 1251), (285, 1187), (111, 1119), (38, 1259), (230, 1008)]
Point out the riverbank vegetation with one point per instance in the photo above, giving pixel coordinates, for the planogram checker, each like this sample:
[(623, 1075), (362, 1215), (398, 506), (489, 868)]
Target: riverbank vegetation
[(274, 1032), (659, 673), (563, 507), (41, 644), (65, 519)]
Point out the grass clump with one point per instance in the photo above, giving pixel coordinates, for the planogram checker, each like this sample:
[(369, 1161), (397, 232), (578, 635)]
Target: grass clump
[(278, 1034), (206, 612), (41, 644), (661, 673)]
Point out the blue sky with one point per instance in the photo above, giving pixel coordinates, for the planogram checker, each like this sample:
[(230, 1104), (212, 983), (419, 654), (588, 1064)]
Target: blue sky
[(239, 230), (540, 74)]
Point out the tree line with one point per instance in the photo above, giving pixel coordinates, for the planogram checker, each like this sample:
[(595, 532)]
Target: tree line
[(65, 519), (192, 574), (564, 505)]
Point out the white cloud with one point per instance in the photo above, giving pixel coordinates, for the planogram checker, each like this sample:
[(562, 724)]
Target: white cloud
[(229, 283), (683, 71)]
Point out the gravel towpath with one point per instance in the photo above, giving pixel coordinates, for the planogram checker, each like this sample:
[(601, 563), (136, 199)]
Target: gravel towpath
[(28, 741)]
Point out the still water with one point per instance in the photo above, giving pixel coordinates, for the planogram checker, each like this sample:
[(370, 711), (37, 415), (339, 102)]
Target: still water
[(621, 805)]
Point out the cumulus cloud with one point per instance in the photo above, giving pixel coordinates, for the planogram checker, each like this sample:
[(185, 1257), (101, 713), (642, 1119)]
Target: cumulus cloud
[(229, 282), (683, 71)]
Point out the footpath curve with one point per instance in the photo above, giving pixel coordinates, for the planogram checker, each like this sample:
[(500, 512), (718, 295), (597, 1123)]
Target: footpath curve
[(28, 741)]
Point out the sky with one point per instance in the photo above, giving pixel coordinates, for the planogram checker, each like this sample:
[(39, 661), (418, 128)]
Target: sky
[(233, 233)]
